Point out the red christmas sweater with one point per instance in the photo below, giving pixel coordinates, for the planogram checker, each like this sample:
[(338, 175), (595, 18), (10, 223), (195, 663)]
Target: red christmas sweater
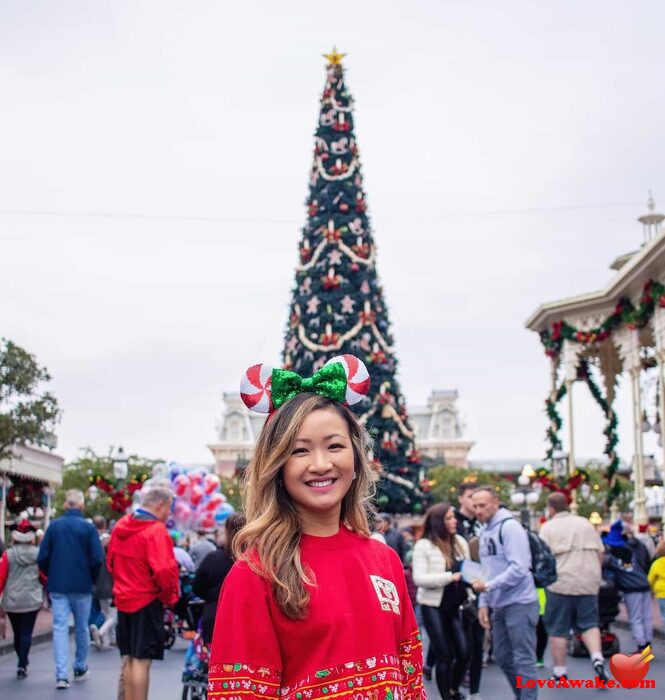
[(360, 640)]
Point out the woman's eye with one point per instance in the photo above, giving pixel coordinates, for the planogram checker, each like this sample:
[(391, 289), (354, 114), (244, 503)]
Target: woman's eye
[(335, 446), (299, 451)]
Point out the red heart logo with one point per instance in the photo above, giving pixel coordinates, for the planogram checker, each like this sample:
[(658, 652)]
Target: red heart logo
[(629, 670)]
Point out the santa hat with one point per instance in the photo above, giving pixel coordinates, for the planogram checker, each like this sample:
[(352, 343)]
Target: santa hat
[(22, 531)]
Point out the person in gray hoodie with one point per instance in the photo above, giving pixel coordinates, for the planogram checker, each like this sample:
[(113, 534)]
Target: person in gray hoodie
[(21, 590), (509, 591)]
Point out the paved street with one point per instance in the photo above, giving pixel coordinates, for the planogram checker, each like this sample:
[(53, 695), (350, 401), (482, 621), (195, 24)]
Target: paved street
[(166, 678)]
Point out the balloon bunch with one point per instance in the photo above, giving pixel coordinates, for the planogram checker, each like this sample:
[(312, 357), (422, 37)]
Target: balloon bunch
[(198, 502)]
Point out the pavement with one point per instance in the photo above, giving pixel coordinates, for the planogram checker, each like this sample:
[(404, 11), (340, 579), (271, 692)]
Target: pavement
[(166, 685)]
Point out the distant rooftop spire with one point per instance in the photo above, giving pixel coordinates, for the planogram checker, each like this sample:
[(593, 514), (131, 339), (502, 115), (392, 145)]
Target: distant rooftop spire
[(651, 221)]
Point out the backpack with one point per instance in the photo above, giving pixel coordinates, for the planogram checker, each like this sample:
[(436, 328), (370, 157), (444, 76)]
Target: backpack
[(543, 562)]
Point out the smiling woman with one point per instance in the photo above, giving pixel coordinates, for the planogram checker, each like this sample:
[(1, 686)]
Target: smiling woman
[(317, 608)]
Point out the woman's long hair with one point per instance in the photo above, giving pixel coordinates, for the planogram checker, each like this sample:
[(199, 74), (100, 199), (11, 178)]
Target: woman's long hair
[(435, 530), (270, 540)]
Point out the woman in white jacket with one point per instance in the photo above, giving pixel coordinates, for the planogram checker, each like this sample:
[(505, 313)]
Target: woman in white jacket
[(437, 563)]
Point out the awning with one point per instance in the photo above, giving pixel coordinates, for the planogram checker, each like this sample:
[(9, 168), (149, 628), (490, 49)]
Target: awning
[(34, 463)]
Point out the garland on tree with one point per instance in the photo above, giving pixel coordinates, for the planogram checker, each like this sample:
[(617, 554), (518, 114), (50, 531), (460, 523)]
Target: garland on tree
[(625, 312), (610, 431), (338, 305), (120, 498)]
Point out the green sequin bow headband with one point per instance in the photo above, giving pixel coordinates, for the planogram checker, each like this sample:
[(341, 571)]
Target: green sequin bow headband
[(343, 378)]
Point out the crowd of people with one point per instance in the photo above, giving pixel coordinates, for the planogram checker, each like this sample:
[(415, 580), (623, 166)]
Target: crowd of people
[(123, 579), (303, 589), (116, 584)]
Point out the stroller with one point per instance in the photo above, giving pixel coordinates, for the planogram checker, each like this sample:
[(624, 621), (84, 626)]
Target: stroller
[(182, 621), (608, 609), (195, 672)]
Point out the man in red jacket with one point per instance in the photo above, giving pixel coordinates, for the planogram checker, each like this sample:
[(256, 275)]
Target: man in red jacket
[(145, 579)]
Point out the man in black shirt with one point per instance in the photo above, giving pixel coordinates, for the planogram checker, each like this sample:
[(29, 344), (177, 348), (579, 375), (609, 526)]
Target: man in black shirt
[(467, 524), (469, 527)]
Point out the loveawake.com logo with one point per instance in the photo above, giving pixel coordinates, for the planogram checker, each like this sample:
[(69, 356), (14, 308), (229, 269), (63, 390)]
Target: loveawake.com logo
[(628, 672)]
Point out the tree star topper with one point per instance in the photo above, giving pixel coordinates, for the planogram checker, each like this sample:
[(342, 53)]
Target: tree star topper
[(334, 58)]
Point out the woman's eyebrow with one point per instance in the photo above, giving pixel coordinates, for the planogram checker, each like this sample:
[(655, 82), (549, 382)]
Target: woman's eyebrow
[(327, 437)]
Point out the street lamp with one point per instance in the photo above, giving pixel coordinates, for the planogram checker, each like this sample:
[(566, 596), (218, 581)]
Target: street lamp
[(525, 496), (120, 465)]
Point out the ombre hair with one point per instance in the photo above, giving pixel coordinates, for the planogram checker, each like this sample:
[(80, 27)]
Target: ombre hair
[(270, 540), (436, 531)]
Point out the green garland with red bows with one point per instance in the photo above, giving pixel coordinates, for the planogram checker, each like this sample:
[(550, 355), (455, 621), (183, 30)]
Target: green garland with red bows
[(555, 419), (625, 312), (120, 499), (610, 432), (564, 485)]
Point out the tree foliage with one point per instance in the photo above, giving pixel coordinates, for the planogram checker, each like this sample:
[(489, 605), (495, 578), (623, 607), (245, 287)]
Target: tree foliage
[(78, 473), (338, 306), (28, 413), (444, 480)]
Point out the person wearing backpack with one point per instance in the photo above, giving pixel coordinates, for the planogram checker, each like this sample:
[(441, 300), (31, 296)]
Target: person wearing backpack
[(572, 600), (626, 565), (509, 590)]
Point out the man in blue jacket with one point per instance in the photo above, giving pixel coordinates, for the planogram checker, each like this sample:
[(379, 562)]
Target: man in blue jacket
[(70, 556), (509, 591)]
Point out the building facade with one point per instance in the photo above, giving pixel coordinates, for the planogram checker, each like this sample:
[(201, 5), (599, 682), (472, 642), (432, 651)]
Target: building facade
[(438, 428)]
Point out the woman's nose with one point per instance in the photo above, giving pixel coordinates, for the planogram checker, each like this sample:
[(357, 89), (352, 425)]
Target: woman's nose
[(320, 460)]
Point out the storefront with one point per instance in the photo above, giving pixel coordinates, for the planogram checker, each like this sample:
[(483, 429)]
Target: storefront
[(27, 481)]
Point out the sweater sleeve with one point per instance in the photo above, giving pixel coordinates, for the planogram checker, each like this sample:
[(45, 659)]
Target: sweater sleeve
[(245, 659)]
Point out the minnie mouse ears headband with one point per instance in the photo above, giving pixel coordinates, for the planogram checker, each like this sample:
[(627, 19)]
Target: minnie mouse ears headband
[(343, 378)]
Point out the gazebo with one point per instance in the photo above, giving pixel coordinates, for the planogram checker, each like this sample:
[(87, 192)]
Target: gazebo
[(619, 329)]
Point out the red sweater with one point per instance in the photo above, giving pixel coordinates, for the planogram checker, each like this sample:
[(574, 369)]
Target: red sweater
[(141, 560), (360, 637)]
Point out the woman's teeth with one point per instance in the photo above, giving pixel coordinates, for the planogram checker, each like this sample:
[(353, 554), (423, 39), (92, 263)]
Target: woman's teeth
[(320, 484)]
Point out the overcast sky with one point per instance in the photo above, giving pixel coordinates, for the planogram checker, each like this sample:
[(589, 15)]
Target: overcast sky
[(154, 160)]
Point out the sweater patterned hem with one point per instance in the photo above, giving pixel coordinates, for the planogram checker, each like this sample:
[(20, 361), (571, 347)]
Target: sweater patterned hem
[(386, 677)]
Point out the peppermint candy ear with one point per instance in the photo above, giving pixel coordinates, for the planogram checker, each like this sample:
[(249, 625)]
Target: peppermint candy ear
[(357, 377), (255, 388)]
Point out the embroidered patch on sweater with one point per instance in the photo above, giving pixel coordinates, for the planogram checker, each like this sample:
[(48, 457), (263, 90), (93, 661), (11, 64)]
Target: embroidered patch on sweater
[(386, 592)]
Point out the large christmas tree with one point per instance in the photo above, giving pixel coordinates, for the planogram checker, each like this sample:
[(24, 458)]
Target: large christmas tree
[(338, 306)]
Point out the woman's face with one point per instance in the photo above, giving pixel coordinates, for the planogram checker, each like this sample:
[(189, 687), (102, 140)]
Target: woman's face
[(450, 521), (320, 469)]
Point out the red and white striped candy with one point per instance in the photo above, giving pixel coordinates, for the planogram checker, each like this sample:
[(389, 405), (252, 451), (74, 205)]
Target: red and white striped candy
[(255, 388), (357, 377)]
